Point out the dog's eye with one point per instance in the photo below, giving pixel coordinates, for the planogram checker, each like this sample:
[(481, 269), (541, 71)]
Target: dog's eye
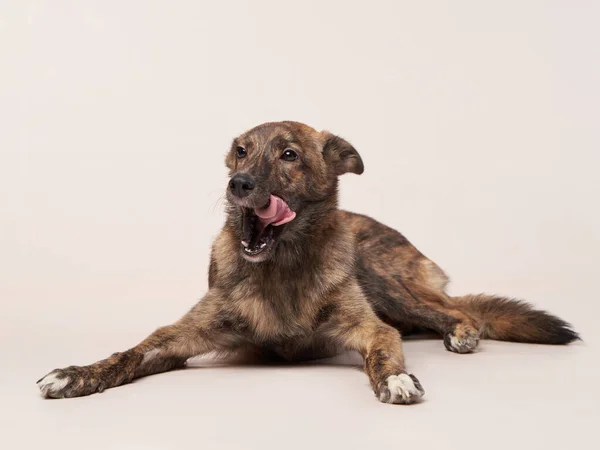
[(289, 155), (241, 152)]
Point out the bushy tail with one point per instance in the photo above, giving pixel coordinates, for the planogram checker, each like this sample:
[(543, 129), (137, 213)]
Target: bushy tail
[(507, 319)]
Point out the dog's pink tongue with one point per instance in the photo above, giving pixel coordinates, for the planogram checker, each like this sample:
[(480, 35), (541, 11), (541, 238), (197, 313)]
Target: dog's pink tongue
[(277, 213)]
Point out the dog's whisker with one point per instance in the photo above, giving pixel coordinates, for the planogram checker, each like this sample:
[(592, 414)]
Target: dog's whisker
[(219, 203)]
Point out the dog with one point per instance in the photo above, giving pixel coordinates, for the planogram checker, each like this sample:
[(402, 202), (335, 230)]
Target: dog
[(294, 277)]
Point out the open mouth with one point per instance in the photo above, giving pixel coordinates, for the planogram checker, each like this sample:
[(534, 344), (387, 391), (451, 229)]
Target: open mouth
[(262, 226)]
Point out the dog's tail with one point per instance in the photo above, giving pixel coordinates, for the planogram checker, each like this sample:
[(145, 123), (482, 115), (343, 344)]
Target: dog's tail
[(513, 320)]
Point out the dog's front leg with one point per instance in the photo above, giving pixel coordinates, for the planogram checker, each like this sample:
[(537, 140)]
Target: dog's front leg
[(165, 349), (355, 326)]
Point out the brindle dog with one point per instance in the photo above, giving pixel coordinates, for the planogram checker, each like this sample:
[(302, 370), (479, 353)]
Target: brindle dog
[(292, 275)]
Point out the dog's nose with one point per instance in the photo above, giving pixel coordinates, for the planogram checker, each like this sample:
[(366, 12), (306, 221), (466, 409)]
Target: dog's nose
[(241, 185)]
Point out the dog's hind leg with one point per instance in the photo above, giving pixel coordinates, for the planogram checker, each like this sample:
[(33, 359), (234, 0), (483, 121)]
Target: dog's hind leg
[(405, 288), (433, 310), (408, 302)]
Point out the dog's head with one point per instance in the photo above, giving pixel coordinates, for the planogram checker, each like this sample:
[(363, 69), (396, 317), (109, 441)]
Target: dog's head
[(283, 179)]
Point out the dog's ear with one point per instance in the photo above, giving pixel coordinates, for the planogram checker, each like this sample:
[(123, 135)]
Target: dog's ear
[(340, 154)]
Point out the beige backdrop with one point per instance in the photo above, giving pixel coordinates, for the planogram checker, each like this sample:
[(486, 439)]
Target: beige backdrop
[(479, 126)]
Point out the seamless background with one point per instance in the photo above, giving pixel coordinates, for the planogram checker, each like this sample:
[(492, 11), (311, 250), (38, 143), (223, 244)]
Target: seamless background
[(478, 123)]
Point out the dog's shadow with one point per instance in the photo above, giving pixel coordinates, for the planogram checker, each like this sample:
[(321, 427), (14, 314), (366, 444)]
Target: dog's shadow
[(249, 360), (252, 361)]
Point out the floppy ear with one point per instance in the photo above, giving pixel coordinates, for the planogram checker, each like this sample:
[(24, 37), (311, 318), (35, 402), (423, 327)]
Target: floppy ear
[(340, 155)]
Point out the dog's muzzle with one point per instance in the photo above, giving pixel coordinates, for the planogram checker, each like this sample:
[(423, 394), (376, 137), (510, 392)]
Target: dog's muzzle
[(241, 185)]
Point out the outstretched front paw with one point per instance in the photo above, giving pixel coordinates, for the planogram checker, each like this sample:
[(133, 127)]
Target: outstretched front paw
[(401, 389), (72, 381), (75, 381)]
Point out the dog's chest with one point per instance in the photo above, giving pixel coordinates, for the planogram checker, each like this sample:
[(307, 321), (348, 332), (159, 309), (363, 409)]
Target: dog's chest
[(272, 313)]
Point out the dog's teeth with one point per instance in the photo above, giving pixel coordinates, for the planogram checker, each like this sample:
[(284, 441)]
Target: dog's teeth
[(246, 244), (263, 245)]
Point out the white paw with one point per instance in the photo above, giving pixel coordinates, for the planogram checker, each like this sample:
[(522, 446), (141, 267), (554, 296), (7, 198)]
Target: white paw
[(402, 389), (51, 385)]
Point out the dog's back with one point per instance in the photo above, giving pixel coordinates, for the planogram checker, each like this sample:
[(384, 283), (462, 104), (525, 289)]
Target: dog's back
[(408, 290)]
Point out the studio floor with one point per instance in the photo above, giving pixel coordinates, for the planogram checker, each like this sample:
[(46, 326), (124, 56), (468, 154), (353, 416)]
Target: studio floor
[(504, 396)]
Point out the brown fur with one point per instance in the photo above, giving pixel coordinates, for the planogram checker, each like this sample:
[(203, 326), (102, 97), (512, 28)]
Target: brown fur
[(334, 281)]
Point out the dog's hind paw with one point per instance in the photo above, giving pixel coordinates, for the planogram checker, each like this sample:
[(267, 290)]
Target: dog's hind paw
[(463, 339)]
